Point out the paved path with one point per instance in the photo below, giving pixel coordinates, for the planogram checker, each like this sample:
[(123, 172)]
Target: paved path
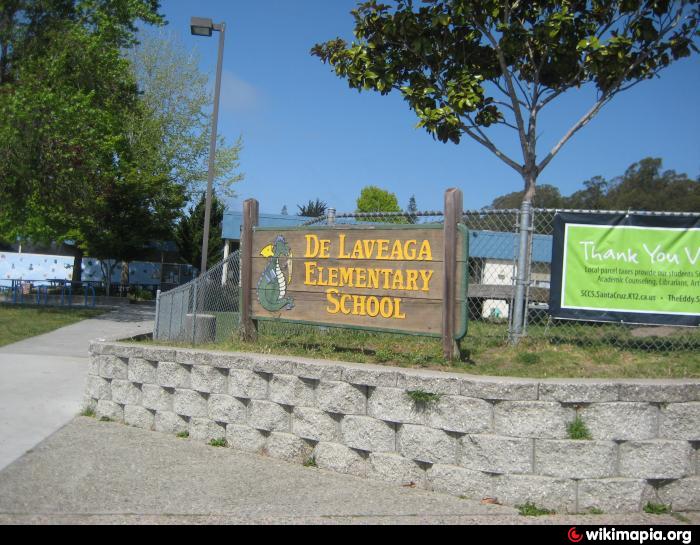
[(97, 472), (42, 379)]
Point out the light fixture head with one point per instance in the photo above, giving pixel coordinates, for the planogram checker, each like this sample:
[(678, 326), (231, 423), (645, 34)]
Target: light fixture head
[(201, 27)]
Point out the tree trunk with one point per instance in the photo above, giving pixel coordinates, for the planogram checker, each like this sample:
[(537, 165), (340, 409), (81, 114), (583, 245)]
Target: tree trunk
[(77, 264)]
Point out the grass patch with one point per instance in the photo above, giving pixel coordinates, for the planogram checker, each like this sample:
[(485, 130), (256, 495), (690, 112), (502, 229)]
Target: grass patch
[(422, 398), (22, 322), (574, 351), (681, 518), (89, 413), (657, 509), (595, 511), (183, 435), (218, 443), (531, 510), (105, 419), (311, 462), (578, 430)]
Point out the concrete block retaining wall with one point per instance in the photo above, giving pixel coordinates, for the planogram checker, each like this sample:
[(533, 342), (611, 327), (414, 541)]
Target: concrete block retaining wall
[(483, 438)]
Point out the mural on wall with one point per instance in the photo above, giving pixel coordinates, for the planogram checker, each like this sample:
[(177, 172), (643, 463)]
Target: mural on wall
[(43, 269)]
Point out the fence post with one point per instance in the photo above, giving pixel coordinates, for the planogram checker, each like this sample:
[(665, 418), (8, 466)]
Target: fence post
[(453, 212), (331, 216), (250, 220), (194, 312), (519, 310), (155, 326)]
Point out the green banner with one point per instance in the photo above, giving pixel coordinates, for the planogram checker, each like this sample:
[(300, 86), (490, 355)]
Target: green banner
[(652, 270)]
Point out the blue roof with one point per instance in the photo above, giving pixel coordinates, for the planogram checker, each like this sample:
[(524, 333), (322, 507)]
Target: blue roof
[(233, 222), (500, 245)]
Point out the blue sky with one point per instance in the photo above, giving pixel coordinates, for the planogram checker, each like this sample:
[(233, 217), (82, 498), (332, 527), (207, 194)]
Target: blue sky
[(307, 135)]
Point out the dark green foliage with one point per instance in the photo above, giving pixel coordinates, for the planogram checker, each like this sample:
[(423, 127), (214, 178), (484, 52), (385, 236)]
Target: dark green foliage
[(311, 462), (313, 209), (218, 443), (464, 66), (412, 209), (657, 509), (528, 358), (531, 510), (190, 232), (422, 398)]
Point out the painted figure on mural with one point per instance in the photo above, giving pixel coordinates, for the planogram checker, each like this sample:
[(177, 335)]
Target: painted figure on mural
[(275, 279)]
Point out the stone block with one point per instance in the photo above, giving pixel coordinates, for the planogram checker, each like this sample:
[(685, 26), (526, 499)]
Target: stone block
[(125, 351), (578, 392), (247, 384), (654, 392), (621, 421), (225, 408), (109, 409), (142, 371), (205, 430), (209, 380), (190, 403), (288, 447), (393, 468), (425, 444), (99, 388), (537, 419), (274, 366), (680, 421), (318, 371), (339, 458), (545, 492), (173, 375), (94, 365), (156, 398), (576, 459), (268, 416), (169, 422), (291, 390), (612, 495), (459, 481), (499, 389), (367, 433), (370, 377), (393, 405), (460, 414), (232, 361), (125, 392), (245, 438), (341, 398), (314, 424), (496, 454), (658, 459), (682, 494), (431, 384), (137, 416), (157, 353), (114, 367)]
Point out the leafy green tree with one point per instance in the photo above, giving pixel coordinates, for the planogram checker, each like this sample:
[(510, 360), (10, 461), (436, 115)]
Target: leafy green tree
[(592, 197), (312, 209), (375, 199), (466, 65), (173, 128), (190, 232)]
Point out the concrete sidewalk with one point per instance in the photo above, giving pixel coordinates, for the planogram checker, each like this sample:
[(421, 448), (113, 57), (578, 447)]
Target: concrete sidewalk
[(97, 472), (42, 379)]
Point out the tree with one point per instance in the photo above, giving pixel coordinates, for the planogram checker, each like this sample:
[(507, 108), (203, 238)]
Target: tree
[(66, 96), (174, 126), (466, 65), (190, 232), (547, 196), (285, 212), (412, 209), (375, 199), (312, 209)]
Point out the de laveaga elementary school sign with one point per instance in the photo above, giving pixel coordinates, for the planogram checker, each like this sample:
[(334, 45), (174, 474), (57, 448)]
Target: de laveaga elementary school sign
[(388, 278)]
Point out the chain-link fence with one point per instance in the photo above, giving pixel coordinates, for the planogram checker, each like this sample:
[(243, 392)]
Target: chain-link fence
[(204, 311), (207, 309)]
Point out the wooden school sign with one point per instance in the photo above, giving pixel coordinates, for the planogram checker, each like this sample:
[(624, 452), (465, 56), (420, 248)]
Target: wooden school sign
[(380, 277)]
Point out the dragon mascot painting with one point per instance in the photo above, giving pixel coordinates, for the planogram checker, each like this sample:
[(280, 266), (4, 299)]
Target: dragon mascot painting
[(272, 285)]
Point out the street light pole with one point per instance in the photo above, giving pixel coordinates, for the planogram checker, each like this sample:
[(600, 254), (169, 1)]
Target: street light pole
[(205, 27)]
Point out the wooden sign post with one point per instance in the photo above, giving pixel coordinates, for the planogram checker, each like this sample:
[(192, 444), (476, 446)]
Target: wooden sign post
[(396, 278)]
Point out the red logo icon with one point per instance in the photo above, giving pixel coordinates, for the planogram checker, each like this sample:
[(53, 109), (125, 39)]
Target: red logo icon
[(574, 536)]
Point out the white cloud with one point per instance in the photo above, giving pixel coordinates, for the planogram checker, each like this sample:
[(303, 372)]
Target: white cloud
[(238, 95)]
